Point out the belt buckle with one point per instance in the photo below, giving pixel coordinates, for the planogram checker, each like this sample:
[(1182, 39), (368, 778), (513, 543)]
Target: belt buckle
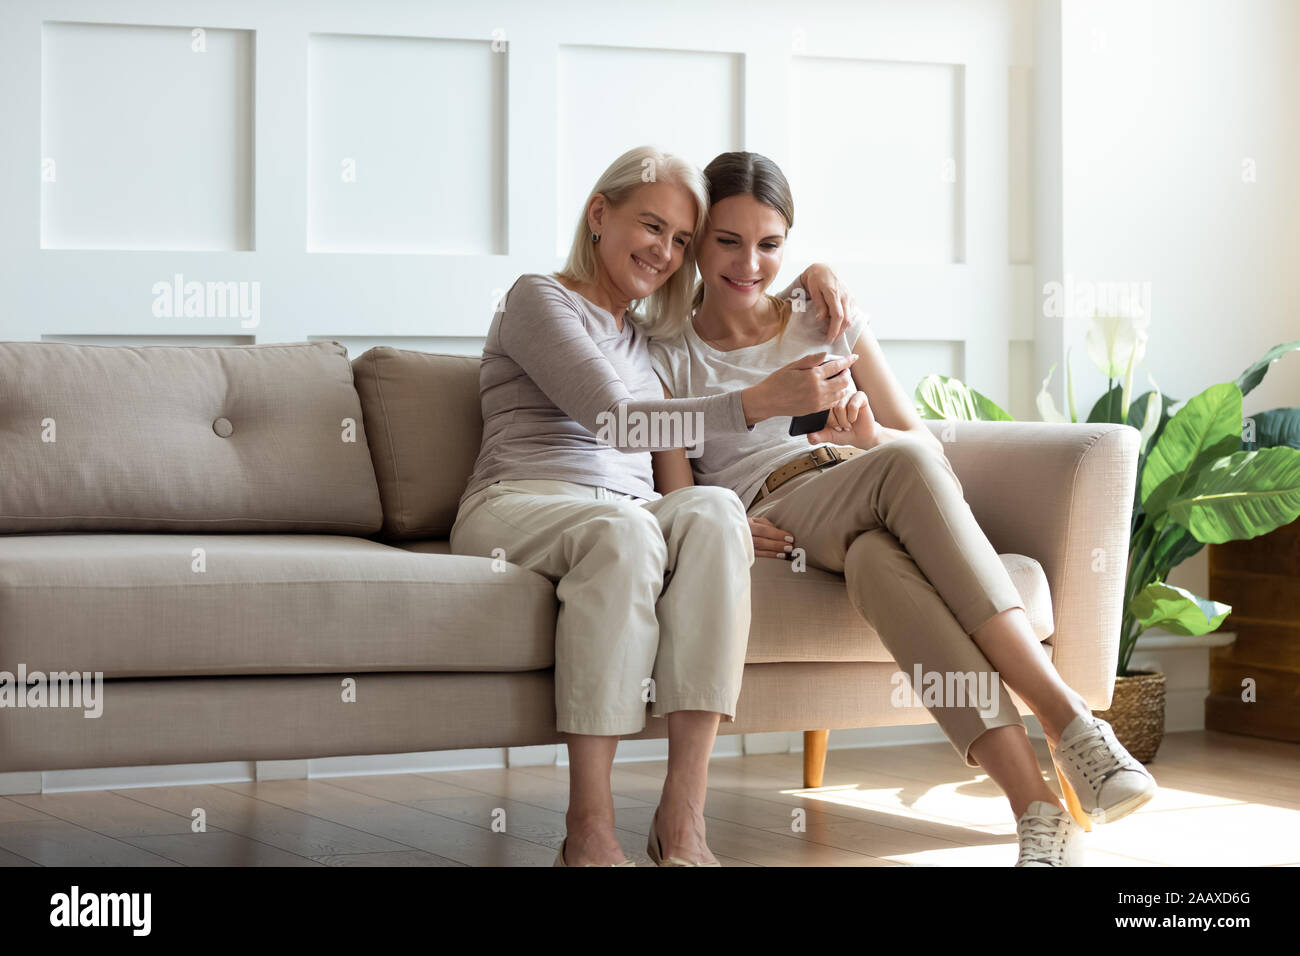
[(818, 457)]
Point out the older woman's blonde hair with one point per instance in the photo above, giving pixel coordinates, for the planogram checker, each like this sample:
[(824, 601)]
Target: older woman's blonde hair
[(665, 309)]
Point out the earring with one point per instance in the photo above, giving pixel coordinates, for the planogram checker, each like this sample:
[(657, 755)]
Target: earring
[(595, 237)]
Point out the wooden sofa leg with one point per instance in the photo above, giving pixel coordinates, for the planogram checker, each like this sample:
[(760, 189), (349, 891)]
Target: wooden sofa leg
[(814, 757)]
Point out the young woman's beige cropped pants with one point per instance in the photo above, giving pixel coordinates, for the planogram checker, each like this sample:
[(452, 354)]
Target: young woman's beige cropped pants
[(918, 568), (654, 595)]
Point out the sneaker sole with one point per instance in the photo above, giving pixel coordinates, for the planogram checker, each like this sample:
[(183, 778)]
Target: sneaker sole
[(1123, 808), (1100, 815)]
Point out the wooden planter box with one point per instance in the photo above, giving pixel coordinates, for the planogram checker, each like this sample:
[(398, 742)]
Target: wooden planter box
[(1260, 578)]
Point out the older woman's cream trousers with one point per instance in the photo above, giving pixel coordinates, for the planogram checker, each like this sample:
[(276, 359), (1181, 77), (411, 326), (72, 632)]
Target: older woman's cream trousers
[(918, 568), (654, 595)]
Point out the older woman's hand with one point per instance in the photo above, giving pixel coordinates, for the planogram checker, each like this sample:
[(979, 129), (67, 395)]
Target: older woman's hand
[(800, 388), (830, 299)]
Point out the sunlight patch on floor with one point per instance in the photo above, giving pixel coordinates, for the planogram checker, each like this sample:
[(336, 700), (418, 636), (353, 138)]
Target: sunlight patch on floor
[(1237, 834), (968, 803), (1178, 827)]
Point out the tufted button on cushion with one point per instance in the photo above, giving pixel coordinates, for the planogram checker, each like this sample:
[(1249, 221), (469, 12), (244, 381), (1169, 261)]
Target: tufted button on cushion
[(127, 462)]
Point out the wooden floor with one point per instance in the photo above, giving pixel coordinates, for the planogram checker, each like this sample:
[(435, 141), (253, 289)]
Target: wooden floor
[(1224, 800)]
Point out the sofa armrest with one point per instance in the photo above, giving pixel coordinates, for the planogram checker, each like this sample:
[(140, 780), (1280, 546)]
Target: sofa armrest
[(1063, 495)]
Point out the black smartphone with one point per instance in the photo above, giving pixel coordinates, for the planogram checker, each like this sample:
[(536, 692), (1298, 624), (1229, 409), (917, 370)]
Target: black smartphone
[(816, 421)]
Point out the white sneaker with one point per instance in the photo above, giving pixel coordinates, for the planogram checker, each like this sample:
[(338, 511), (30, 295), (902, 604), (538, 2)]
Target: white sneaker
[(1049, 837), (1100, 780)]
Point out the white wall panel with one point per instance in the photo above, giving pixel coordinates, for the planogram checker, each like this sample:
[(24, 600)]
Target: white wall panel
[(683, 101), (883, 183), (911, 360), (146, 137), (406, 145)]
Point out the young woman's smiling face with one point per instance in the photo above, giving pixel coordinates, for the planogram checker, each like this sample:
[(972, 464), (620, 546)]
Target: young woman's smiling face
[(740, 254)]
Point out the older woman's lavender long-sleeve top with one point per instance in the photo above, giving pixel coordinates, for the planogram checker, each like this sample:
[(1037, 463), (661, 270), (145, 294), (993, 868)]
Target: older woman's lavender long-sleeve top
[(555, 371)]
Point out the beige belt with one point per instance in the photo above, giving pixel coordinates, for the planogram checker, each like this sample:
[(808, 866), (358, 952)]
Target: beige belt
[(820, 457)]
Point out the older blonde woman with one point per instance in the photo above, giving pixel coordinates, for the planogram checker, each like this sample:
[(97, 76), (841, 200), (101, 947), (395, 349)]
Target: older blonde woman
[(566, 490)]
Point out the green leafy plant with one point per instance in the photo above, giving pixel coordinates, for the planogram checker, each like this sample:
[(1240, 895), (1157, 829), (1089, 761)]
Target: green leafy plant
[(1205, 475)]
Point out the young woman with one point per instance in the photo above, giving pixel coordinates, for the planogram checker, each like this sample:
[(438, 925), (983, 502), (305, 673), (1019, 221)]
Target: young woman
[(557, 490), (876, 500)]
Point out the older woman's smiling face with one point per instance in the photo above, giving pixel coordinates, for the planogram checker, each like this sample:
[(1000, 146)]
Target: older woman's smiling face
[(644, 239)]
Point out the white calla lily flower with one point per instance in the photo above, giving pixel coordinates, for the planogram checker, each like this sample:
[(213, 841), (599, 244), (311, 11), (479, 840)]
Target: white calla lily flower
[(1117, 343), (1047, 409)]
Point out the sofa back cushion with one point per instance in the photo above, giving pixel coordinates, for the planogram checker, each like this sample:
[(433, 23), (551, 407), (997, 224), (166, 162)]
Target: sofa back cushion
[(425, 423), (163, 438)]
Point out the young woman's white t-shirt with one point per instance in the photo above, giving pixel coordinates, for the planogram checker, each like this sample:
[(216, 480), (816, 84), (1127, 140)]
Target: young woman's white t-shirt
[(690, 367)]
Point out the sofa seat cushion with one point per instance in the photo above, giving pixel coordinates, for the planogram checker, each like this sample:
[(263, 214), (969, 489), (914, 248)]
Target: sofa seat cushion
[(807, 615), (137, 605)]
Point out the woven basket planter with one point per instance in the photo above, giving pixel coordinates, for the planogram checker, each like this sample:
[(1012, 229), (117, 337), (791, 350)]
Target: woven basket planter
[(1137, 713)]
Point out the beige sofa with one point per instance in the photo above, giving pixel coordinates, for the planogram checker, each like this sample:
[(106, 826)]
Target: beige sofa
[(250, 544)]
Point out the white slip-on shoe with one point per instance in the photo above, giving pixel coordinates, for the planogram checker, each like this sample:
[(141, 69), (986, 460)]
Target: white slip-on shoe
[(1100, 780), (1049, 836)]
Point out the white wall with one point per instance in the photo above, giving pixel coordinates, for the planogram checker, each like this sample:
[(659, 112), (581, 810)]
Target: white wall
[(1179, 168), (935, 164), (383, 170)]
